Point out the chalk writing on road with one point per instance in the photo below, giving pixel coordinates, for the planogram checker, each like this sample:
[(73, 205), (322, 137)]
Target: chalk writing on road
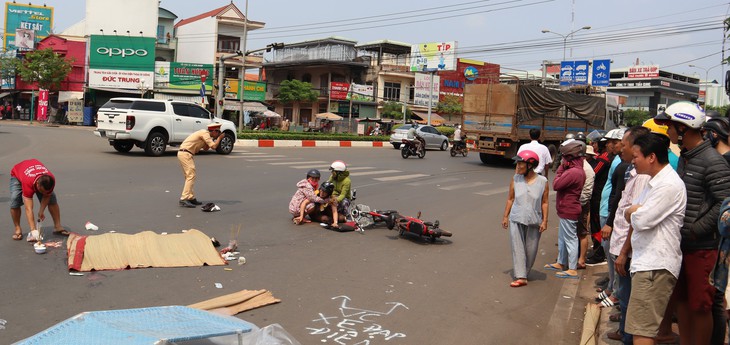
[(354, 326)]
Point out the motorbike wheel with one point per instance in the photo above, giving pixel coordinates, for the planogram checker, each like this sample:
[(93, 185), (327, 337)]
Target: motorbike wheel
[(404, 152), (453, 151), (422, 153), (464, 152)]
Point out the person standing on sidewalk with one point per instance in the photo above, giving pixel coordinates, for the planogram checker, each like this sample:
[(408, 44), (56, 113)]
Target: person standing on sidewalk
[(585, 201), (200, 140), (568, 184), (706, 176), (525, 214), (656, 218)]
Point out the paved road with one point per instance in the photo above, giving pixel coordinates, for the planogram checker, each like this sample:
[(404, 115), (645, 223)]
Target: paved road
[(451, 292)]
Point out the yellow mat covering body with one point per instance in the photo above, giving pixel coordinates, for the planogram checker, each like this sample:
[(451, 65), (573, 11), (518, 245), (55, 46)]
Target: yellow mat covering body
[(114, 251)]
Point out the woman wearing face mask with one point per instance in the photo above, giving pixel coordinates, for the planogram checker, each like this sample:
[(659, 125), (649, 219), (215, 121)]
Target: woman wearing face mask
[(525, 214)]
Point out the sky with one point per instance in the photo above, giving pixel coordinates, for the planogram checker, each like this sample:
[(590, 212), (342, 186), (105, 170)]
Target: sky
[(670, 33)]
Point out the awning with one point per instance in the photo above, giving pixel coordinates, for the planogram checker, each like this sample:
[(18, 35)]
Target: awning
[(109, 89), (267, 113), (177, 97), (247, 106), (436, 119), (6, 94), (65, 96)]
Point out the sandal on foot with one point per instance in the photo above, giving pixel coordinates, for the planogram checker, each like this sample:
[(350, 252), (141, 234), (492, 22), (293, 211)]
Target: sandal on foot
[(18, 236), (603, 295), (564, 275), (552, 267), (61, 232), (608, 302), (518, 283)]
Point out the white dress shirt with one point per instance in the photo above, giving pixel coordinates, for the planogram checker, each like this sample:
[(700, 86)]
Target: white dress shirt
[(542, 152), (656, 237), (634, 186)]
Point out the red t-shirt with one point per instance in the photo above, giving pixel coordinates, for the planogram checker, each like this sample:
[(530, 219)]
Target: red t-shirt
[(27, 172)]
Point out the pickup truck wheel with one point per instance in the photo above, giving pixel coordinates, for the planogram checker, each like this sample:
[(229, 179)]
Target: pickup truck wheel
[(226, 145), (156, 144), (123, 146), (396, 146)]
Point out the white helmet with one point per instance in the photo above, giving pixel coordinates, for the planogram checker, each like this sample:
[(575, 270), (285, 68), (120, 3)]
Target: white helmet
[(687, 113), (338, 166), (616, 133)]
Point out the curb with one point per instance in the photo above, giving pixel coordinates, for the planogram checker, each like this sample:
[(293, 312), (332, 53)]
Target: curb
[(308, 143)]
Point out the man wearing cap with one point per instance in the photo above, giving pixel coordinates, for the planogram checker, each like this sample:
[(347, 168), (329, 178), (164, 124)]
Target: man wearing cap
[(706, 176), (200, 140)]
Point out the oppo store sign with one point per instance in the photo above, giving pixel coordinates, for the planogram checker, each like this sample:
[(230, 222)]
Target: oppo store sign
[(122, 52)]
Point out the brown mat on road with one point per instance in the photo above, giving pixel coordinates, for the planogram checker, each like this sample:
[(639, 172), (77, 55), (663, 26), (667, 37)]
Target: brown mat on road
[(114, 251), (237, 302)]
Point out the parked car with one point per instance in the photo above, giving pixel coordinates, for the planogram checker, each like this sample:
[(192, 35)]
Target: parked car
[(153, 124), (434, 139)]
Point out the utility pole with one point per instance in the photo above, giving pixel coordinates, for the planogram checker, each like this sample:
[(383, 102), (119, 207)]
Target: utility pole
[(243, 67)]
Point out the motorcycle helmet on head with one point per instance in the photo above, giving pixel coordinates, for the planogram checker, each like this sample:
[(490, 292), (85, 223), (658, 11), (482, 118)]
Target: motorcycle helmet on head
[(655, 127), (720, 126), (529, 157), (313, 173), (571, 149), (687, 113), (580, 137), (338, 166), (569, 136), (327, 187)]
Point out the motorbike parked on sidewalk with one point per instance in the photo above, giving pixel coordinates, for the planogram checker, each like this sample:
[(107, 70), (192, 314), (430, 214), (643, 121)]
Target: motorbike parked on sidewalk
[(409, 148), (459, 148)]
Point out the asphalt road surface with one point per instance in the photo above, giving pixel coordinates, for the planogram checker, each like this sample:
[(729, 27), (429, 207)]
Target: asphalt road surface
[(336, 288)]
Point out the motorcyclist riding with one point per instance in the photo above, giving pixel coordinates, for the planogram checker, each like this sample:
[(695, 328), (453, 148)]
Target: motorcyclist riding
[(458, 138), (413, 136)]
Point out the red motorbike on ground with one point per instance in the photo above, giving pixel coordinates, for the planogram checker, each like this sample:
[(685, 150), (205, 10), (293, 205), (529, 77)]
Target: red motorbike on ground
[(417, 226)]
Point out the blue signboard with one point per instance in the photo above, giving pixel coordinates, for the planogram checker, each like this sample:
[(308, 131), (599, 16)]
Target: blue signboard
[(601, 72), (580, 73), (566, 73)]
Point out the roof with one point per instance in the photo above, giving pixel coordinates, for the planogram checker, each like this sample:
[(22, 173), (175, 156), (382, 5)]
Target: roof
[(387, 46), (219, 12), (331, 39), (163, 13)]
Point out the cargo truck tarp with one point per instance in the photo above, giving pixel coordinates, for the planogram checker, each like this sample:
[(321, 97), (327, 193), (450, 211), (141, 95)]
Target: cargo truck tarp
[(535, 102)]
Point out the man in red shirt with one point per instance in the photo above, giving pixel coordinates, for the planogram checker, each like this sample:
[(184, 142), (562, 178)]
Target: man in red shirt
[(27, 178)]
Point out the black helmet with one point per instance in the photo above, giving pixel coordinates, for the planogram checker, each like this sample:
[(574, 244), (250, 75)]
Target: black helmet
[(327, 187), (313, 173), (580, 137)]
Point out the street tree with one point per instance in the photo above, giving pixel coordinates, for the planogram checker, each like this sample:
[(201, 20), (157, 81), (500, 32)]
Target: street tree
[(45, 68), (450, 105), (293, 91), (635, 117), (7, 68), (394, 110)]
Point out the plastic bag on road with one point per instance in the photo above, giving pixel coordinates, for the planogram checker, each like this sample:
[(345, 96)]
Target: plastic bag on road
[(272, 334)]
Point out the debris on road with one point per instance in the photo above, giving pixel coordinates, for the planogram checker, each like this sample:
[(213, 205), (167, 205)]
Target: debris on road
[(237, 302), (91, 227)]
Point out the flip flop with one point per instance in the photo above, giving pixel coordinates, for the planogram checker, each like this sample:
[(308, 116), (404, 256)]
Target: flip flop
[(62, 233), (608, 302), (517, 283), (552, 267), (18, 236), (564, 275)]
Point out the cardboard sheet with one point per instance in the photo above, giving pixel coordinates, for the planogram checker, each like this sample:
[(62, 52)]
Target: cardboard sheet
[(237, 302), (114, 251)]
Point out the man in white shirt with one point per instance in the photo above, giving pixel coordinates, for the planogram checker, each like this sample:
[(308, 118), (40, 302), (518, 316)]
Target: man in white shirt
[(541, 150), (655, 219)]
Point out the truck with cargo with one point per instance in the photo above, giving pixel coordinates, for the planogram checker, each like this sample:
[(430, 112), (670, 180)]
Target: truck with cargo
[(498, 116)]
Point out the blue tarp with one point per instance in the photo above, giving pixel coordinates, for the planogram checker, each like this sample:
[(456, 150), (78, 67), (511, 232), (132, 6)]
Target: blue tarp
[(139, 326)]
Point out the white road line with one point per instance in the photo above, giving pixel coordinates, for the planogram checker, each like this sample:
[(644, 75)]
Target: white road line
[(434, 181), (465, 185), (360, 168), (377, 172), (318, 166), (295, 163), (494, 191), (268, 158), (400, 177), (250, 153)]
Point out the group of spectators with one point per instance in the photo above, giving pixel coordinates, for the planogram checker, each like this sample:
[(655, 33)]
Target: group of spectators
[(661, 221)]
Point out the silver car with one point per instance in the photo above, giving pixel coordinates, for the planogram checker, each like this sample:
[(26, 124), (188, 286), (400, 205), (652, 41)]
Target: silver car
[(434, 139)]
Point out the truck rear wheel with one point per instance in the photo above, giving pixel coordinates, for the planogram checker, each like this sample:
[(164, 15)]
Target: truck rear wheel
[(487, 158), (156, 144)]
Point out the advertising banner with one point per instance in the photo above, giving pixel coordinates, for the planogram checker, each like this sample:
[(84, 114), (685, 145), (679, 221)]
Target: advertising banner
[(580, 73), (254, 91), (182, 75), (120, 79), (75, 111), (338, 90), (566, 73), (122, 62), (231, 87), (601, 72), (42, 109), (36, 19), (433, 56), (361, 93), (24, 39), (650, 71), (423, 90)]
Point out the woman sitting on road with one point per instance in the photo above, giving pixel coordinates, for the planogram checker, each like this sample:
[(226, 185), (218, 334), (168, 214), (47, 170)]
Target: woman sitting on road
[(525, 214), (302, 203)]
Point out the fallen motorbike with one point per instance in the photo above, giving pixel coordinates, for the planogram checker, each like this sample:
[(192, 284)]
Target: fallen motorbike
[(417, 226), (458, 148), (409, 148)]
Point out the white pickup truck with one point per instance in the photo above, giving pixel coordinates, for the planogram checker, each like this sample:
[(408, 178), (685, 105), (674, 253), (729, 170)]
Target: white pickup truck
[(153, 124)]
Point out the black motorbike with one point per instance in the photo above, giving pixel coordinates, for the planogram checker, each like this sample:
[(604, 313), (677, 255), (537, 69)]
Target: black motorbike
[(409, 148), (459, 148)]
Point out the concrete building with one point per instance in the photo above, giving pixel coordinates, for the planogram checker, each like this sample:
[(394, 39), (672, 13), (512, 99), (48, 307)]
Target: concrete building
[(653, 90)]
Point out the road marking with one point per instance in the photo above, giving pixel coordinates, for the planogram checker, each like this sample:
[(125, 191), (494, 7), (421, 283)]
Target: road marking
[(294, 163), (360, 168), (318, 166), (494, 191), (466, 185), (269, 158), (434, 181), (399, 177), (250, 153), (377, 172)]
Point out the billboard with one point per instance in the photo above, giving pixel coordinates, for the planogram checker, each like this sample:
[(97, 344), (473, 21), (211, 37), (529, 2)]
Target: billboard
[(338, 90), (121, 61), (467, 72), (649, 71), (24, 39), (38, 19), (183, 75), (254, 90), (423, 89), (601, 72), (433, 56), (361, 93)]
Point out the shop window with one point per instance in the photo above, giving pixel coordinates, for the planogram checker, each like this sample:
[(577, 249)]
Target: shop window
[(307, 78), (288, 113), (391, 91)]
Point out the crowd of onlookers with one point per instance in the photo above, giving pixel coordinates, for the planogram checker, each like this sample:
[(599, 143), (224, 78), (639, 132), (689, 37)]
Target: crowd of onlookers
[(651, 201)]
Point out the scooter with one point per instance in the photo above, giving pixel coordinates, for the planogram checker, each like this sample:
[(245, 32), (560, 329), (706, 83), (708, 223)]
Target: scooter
[(459, 147), (417, 226), (409, 148)]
